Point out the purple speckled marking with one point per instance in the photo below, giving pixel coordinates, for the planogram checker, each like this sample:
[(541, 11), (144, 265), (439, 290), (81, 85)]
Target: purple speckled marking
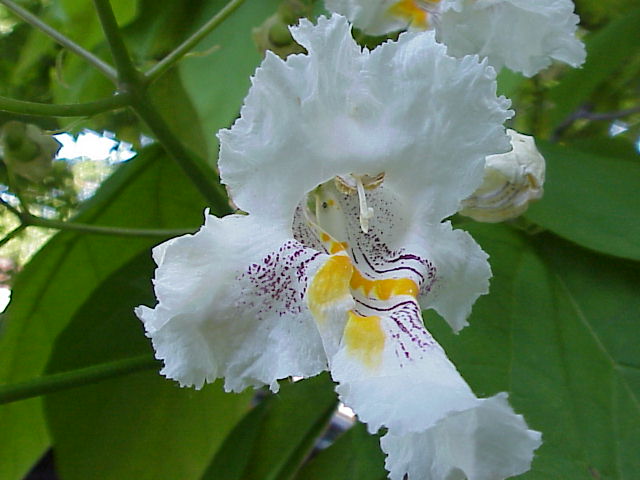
[(277, 284), (406, 328), (303, 233)]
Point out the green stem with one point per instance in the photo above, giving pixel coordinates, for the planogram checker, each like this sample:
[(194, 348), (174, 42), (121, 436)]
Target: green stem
[(72, 110), (29, 220), (133, 82), (11, 208), (127, 72), (34, 221), (74, 378), (9, 236), (106, 69), (198, 172), (13, 186), (185, 47)]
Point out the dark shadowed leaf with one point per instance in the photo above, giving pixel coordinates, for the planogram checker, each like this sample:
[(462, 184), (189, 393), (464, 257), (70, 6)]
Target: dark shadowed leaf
[(279, 433), (139, 415), (148, 192), (355, 455)]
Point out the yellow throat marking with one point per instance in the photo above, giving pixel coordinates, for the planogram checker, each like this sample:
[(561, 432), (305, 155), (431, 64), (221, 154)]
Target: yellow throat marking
[(330, 285), (335, 281), (365, 339), (412, 12)]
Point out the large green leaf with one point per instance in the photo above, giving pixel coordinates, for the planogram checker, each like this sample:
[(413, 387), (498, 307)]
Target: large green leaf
[(591, 200), (278, 434), (218, 79), (559, 330), (115, 429), (355, 455), (148, 192)]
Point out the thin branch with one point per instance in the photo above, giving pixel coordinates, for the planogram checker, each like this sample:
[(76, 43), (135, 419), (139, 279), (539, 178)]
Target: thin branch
[(70, 110), (34, 221), (607, 115), (106, 69), (127, 72), (584, 112), (132, 81), (27, 219), (13, 186), (9, 236), (11, 208), (75, 378), (185, 47)]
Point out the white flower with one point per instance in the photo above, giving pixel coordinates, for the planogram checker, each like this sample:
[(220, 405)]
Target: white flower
[(346, 162), (512, 180), (523, 35)]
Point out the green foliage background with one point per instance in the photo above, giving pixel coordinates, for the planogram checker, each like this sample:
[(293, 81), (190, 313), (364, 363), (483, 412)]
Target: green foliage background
[(560, 330)]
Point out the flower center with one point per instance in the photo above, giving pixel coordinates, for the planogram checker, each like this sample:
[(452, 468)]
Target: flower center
[(357, 184), (373, 283)]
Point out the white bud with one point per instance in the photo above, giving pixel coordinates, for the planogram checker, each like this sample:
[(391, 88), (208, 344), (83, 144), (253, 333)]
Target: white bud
[(511, 181)]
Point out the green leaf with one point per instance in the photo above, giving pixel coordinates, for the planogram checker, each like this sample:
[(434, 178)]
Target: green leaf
[(355, 455), (618, 147), (79, 21), (607, 51), (230, 462), (559, 331), (591, 200), (279, 435), (147, 192), (138, 415), (218, 78), (509, 82), (173, 103)]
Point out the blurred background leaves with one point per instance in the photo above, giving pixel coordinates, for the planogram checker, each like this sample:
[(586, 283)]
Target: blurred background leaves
[(559, 331)]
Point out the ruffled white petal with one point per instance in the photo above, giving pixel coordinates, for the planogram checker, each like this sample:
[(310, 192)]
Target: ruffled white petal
[(437, 428), (486, 442), (522, 35), (231, 304), (425, 119), (392, 373), (463, 272), (410, 387)]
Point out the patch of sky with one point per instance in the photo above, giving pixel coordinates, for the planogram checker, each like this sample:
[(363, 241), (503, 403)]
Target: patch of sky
[(92, 157)]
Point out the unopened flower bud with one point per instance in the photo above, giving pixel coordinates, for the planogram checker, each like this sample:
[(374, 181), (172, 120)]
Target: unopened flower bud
[(511, 181), (274, 33), (27, 150)]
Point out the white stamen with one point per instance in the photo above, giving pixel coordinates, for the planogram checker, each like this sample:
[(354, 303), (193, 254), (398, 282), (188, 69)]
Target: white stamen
[(366, 212)]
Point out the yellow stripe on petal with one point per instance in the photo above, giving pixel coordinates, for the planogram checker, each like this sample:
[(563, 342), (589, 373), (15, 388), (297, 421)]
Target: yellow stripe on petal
[(336, 247), (412, 12), (383, 289), (329, 285), (364, 339)]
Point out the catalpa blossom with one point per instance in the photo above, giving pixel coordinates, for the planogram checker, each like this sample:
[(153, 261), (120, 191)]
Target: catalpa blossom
[(523, 35), (346, 162)]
